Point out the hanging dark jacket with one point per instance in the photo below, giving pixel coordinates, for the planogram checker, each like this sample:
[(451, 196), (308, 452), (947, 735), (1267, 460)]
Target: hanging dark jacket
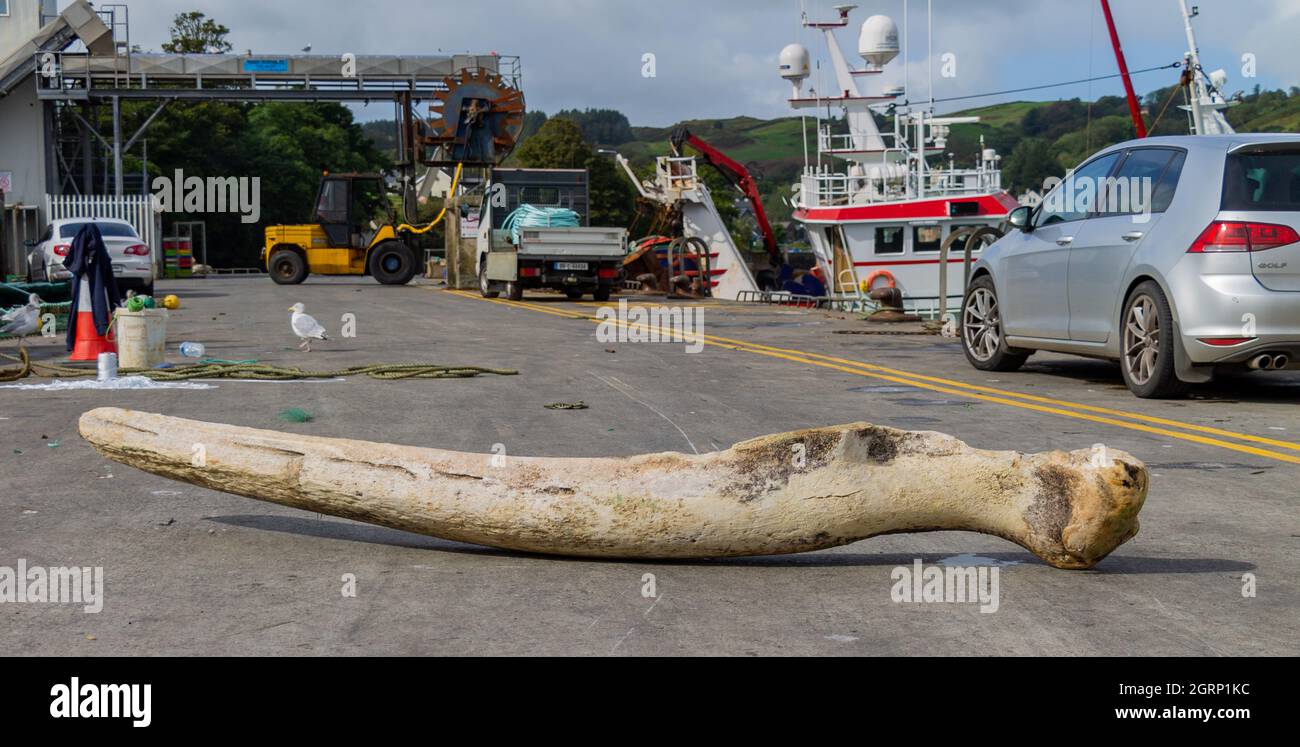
[(89, 258)]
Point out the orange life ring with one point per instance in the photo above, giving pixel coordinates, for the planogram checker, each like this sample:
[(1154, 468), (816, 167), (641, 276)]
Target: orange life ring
[(871, 280)]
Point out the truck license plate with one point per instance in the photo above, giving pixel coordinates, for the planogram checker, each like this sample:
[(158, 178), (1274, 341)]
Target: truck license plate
[(570, 265)]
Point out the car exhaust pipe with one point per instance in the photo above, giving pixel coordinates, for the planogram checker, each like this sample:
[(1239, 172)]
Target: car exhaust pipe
[(1281, 361), (1261, 363)]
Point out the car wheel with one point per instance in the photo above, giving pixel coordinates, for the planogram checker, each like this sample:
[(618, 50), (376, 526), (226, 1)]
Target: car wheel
[(981, 330), (602, 293), (1147, 340), (515, 291), (288, 267), (392, 263)]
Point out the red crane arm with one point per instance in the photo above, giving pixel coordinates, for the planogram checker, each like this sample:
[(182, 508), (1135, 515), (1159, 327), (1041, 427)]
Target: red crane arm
[(1133, 108), (739, 175)]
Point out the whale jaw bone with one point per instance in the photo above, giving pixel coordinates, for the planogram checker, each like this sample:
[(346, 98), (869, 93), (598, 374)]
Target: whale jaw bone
[(784, 493)]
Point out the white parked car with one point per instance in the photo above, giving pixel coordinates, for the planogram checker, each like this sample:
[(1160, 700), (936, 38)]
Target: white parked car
[(132, 259)]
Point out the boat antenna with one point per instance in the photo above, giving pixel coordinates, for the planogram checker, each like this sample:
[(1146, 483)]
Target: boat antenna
[(929, 50), (1194, 66)]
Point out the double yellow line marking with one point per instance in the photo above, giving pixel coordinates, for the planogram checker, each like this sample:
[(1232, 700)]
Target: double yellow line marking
[(1201, 434)]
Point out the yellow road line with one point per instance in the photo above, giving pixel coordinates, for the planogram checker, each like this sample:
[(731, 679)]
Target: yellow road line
[(961, 389)]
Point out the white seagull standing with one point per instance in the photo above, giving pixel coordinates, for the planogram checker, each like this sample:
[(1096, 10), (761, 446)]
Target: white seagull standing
[(305, 327), (23, 321)]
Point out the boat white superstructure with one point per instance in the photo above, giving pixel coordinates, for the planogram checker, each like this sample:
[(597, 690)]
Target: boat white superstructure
[(882, 213)]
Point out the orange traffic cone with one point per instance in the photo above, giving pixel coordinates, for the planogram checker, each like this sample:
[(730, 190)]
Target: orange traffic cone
[(89, 342)]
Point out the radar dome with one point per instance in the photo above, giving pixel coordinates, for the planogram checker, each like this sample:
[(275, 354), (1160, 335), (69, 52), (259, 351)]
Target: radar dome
[(794, 63), (878, 43)]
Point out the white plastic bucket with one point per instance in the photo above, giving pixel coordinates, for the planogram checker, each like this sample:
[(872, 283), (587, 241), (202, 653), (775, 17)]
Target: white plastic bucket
[(141, 337)]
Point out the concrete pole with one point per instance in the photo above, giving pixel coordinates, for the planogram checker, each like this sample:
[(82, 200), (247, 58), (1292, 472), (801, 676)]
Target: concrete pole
[(119, 187), (451, 234)]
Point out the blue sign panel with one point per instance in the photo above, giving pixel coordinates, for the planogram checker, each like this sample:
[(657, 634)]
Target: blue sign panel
[(266, 66)]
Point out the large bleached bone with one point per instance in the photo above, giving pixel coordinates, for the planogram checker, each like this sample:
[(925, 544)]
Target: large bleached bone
[(785, 493)]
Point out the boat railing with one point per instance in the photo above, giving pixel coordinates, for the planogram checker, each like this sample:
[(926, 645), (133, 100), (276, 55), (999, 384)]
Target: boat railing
[(830, 189), (675, 174)]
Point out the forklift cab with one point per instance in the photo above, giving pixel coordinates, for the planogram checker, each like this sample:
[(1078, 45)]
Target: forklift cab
[(351, 209)]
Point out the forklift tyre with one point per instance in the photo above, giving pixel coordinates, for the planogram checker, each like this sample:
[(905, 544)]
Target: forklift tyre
[(287, 267), (392, 263), (485, 285)]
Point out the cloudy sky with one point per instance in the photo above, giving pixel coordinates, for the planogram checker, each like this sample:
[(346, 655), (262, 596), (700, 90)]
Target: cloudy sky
[(717, 58)]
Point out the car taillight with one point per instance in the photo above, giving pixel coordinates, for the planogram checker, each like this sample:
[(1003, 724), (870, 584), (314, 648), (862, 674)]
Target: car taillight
[(607, 273), (530, 272), (1238, 236), (62, 249), (138, 250)]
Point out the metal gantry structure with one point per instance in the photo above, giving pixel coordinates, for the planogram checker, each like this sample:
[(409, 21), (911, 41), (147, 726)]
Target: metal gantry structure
[(76, 86)]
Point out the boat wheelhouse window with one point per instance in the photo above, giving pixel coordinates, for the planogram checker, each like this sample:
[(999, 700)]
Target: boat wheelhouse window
[(926, 238), (959, 247), (889, 240)]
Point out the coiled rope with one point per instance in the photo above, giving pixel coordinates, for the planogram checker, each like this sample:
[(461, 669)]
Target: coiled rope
[(256, 371)]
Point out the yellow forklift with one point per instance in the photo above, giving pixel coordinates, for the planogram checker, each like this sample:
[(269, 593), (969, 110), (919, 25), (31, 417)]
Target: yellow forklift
[(353, 233), (475, 122)]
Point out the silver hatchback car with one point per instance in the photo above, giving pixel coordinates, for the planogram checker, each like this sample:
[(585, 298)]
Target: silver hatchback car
[(1172, 255)]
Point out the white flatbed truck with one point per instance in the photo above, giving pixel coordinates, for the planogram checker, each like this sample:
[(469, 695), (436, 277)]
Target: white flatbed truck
[(576, 260)]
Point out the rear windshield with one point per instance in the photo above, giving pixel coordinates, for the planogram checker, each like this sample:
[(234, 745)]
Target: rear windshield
[(119, 230), (1262, 181)]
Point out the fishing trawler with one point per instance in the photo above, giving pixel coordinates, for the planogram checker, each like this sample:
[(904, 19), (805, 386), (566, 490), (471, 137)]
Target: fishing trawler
[(881, 214)]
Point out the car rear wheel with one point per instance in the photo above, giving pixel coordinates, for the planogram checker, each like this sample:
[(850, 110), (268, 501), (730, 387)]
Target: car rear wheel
[(515, 291), (981, 330), (288, 267), (1147, 340)]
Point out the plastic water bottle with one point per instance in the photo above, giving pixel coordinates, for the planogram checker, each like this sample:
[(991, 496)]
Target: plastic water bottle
[(192, 349)]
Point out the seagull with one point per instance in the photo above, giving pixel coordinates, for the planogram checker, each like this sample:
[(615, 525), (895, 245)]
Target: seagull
[(12, 314), (23, 321), (305, 327), (306, 48)]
